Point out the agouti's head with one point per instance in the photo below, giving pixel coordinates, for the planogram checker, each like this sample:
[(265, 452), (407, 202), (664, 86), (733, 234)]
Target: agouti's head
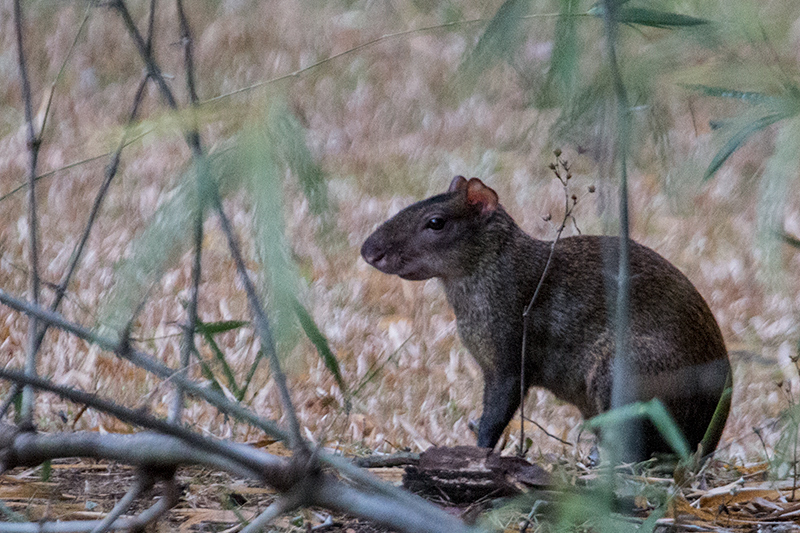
[(438, 237)]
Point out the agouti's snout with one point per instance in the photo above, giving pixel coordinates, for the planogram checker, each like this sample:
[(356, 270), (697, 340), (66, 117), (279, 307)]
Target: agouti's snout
[(373, 253)]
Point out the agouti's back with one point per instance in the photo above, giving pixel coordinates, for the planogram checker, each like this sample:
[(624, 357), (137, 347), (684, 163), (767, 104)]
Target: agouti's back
[(490, 268)]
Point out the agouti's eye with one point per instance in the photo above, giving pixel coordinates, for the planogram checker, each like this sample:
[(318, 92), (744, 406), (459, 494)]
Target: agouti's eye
[(435, 223)]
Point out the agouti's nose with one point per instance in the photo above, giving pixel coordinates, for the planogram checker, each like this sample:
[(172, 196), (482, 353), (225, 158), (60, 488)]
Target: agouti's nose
[(372, 253)]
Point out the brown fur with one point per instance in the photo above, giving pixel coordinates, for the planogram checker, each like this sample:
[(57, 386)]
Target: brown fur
[(489, 269)]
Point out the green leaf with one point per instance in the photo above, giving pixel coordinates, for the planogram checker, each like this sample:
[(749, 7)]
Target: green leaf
[(220, 357), (264, 180), (207, 372), (321, 343), (212, 328), (163, 241), (792, 241), (291, 149), (649, 17), (753, 97), (502, 36), (738, 139), (655, 411), (562, 76), (250, 373), (657, 19)]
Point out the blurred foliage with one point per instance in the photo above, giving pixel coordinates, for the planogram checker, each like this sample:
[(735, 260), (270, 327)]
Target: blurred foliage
[(265, 152)]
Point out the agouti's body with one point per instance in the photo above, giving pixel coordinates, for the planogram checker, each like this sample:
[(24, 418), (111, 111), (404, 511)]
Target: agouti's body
[(490, 268)]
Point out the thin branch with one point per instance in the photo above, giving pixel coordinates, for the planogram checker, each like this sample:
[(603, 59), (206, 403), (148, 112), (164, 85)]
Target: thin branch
[(541, 427), (146, 450), (12, 395), (52, 91), (272, 470), (34, 142), (262, 325), (187, 342), (144, 51), (168, 500), (141, 484), (283, 504), (209, 187), (151, 27), (69, 166), (110, 173), (188, 52)]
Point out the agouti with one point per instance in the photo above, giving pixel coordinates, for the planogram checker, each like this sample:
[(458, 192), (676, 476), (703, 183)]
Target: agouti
[(489, 269)]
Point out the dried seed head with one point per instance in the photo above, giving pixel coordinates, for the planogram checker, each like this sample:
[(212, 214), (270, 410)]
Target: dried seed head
[(557, 152), (591, 188), (547, 217), (552, 166)]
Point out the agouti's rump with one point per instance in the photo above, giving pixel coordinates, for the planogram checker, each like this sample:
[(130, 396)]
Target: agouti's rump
[(489, 269)]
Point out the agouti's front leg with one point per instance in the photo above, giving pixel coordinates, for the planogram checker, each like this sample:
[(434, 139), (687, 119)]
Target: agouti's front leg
[(500, 400)]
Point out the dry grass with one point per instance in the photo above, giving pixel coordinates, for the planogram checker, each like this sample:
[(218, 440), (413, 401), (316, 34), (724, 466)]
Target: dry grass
[(389, 127)]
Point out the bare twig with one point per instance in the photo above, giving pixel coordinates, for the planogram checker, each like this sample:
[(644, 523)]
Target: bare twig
[(142, 483), (169, 499), (188, 52), (34, 142), (110, 173), (145, 52), (543, 430), (12, 395), (130, 416), (187, 342), (143, 450), (50, 173), (193, 140), (283, 504), (89, 7), (568, 207), (262, 325)]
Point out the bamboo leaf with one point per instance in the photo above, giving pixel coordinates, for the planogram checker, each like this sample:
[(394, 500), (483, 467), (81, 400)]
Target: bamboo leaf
[(792, 241), (291, 149), (501, 37), (220, 357), (205, 369), (657, 19), (738, 139), (321, 343), (562, 76), (212, 328), (653, 410), (754, 97), (650, 17)]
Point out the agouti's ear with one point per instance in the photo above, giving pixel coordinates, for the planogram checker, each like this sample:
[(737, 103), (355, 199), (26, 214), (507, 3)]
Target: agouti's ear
[(480, 195), (458, 183)]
